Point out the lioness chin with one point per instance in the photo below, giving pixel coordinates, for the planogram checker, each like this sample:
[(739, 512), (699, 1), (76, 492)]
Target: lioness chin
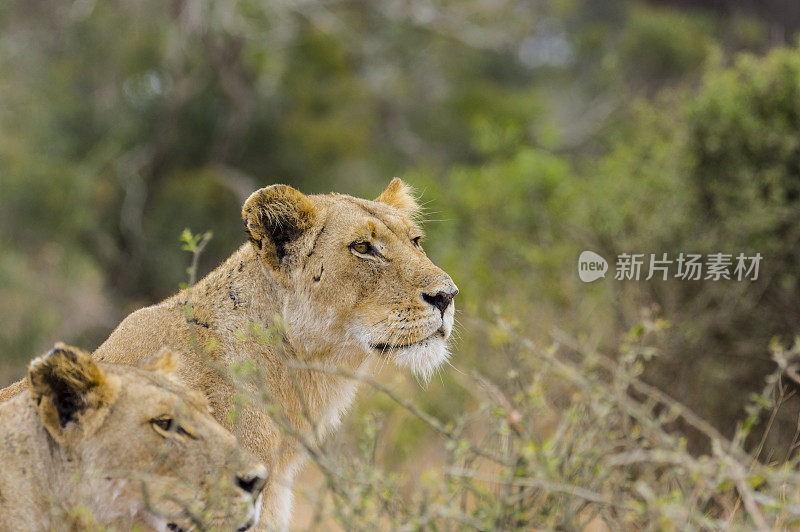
[(352, 286)]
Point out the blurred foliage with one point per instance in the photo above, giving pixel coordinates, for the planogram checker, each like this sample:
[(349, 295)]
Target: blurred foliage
[(660, 44), (715, 168), (533, 129)]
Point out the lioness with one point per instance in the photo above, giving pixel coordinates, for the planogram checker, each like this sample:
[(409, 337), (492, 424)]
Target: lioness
[(351, 284), (91, 444)]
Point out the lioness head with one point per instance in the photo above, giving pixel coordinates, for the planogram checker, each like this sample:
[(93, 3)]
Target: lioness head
[(354, 269), (147, 450)]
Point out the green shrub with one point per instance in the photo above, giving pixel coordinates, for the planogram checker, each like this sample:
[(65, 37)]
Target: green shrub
[(711, 169)]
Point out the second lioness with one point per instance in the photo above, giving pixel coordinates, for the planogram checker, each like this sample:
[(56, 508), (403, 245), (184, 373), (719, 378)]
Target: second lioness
[(351, 284), (88, 446)]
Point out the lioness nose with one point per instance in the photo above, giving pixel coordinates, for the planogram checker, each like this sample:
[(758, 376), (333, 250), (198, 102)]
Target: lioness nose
[(440, 299), (252, 481)]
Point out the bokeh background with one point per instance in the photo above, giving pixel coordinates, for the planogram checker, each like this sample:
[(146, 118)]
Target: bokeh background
[(532, 129)]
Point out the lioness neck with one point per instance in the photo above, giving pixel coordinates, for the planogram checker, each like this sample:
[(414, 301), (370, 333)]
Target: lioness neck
[(235, 294), (236, 306)]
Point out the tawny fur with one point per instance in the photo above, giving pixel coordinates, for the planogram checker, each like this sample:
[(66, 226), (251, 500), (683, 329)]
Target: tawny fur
[(78, 448), (339, 309)]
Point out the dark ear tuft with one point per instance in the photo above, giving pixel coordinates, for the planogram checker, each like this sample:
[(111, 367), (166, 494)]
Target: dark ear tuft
[(68, 387), (275, 216)]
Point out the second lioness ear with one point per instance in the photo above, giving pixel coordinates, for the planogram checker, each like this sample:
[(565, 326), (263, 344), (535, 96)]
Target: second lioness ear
[(400, 196), (166, 362), (71, 392), (274, 216)]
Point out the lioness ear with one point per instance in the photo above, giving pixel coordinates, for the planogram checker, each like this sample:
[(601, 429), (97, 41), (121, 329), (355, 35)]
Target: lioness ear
[(274, 216), (71, 392), (166, 362), (400, 196)]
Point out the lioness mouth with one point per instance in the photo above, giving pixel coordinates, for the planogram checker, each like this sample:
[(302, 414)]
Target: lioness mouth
[(383, 346)]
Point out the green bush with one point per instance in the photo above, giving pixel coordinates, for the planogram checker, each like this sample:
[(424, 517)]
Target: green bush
[(712, 169)]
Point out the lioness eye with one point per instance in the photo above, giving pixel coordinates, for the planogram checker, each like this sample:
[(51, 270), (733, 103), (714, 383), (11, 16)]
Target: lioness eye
[(361, 247), (417, 241), (164, 424)]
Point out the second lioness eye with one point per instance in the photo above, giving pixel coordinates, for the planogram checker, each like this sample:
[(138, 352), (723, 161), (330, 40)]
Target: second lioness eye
[(361, 247), (163, 423)]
